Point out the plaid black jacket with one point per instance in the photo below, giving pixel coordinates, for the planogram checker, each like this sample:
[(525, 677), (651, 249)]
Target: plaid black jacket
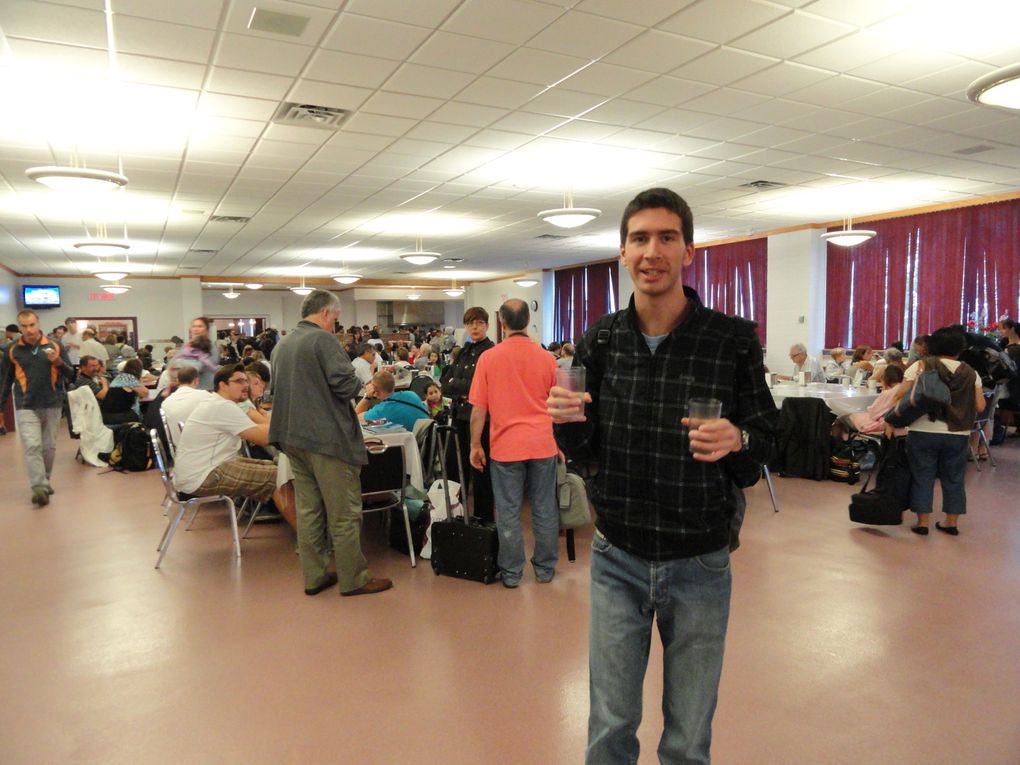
[(651, 497)]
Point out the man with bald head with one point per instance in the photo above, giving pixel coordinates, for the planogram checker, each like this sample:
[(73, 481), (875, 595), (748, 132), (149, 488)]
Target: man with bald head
[(510, 386)]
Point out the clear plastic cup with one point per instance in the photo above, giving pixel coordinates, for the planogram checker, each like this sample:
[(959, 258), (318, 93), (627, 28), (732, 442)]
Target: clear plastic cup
[(700, 411), (573, 380)]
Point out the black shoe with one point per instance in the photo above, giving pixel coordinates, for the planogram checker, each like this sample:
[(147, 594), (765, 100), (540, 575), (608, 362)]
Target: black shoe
[(951, 530), (326, 583), (922, 530)]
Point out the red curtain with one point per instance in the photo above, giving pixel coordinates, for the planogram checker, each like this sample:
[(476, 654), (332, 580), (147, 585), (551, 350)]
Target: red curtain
[(583, 295), (922, 272), (732, 278)]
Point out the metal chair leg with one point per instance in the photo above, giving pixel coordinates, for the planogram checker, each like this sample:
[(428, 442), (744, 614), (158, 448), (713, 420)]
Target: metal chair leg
[(169, 534), (988, 449), (251, 518), (772, 490)]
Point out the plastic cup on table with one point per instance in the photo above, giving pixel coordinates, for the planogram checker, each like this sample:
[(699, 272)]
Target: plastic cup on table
[(700, 411)]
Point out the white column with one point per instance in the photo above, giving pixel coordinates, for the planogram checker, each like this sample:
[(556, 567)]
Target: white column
[(796, 296)]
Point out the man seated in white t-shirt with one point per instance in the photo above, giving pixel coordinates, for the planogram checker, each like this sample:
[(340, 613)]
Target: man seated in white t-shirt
[(364, 363), (179, 405), (208, 461)]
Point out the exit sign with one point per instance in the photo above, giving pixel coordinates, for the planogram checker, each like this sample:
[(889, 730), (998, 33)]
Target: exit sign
[(100, 296)]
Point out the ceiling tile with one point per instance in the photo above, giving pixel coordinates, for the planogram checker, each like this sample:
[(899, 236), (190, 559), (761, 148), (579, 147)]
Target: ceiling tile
[(523, 122), (725, 129), (498, 139), (835, 91), (860, 13), (158, 71), (492, 91), (196, 13), (953, 81), (725, 101), (849, 52), (467, 114), (59, 59), (720, 21), (623, 112), (561, 102), (782, 78), (668, 91), (440, 131), (157, 38), (429, 14), (327, 94), (34, 21), (428, 81), (676, 120), (658, 52), (606, 79), (884, 100), (792, 35), (459, 52), (906, 65), (537, 66), (349, 69), (379, 124), (583, 130), (400, 105), (584, 35), (238, 82), (511, 21), (778, 111), (650, 12), (240, 107), (257, 54), (374, 37), (723, 66)]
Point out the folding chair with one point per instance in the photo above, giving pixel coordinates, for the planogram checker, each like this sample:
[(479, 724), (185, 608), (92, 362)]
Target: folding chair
[(184, 502), (772, 490), (383, 483), (979, 427)]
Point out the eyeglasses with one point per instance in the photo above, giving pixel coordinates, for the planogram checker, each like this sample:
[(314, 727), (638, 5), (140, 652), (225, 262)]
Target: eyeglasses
[(476, 322), (242, 381)]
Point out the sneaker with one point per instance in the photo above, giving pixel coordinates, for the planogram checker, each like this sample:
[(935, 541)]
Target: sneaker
[(40, 496), (49, 489), (510, 582), (545, 578)]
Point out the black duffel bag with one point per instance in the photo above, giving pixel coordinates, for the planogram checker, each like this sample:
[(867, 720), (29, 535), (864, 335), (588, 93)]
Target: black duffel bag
[(884, 505)]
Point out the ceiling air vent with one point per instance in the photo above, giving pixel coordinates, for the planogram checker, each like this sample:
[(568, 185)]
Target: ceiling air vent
[(553, 236), (229, 219), (973, 149), (310, 115), (202, 252), (277, 23), (762, 185)]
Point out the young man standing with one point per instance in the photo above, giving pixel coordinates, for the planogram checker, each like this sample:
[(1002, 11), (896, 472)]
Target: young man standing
[(667, 494), (510, 387), (35, 367)]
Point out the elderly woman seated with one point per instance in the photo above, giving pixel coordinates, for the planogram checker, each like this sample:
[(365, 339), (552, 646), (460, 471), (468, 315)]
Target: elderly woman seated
[(837, 366)]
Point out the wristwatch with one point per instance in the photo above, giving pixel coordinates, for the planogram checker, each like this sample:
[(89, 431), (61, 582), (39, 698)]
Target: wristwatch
[(745, 440)]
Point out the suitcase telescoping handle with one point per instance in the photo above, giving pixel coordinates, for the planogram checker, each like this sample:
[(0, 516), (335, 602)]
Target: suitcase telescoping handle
[(444, 434)]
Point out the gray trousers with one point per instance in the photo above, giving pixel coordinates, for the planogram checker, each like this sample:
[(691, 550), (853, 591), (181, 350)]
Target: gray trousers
[(37, 429), (328, 496)]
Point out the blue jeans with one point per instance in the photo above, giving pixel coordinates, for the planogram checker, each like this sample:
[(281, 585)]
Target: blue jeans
[(510, 480), (689, 598), (942, 456)]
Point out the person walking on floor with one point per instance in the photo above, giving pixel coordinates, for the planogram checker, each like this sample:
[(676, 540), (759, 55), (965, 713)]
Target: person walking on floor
[(36, 369)]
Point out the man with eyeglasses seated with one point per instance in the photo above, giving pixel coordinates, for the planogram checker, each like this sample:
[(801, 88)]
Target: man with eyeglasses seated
[(804, 363), (208, 458)]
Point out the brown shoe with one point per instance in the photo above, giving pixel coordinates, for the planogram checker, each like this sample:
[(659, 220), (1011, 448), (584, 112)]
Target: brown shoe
[(370, 587)]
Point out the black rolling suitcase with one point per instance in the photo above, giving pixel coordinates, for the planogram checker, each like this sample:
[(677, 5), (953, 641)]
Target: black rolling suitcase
[(467, 547)]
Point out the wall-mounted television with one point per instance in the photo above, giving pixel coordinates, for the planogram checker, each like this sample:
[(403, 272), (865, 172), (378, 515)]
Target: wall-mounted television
[(40, 296)]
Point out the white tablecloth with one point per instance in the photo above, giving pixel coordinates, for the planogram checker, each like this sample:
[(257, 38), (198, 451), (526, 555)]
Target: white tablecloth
[(401, 438), (840, 399)]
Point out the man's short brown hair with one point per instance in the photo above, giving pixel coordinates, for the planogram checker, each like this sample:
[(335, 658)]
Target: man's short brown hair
[(476, 313), (384, 382)]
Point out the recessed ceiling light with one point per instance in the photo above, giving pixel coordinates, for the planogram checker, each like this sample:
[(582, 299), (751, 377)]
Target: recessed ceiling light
[(101, 248), (569, 217), (525, 282), (420, 258), (78, 179), (454, 292), (253, 286), (301, 290)]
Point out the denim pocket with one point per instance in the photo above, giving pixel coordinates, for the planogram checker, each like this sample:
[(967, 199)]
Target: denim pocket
[(599, 543), (718, 561)]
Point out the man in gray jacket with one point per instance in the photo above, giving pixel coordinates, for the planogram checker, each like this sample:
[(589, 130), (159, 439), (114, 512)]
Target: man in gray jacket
[(314, 424)]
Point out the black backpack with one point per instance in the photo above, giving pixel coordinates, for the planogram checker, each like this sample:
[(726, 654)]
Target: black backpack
[(132, 449)]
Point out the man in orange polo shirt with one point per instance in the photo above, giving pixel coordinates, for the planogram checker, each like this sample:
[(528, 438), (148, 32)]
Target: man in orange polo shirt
[(510, 386)]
